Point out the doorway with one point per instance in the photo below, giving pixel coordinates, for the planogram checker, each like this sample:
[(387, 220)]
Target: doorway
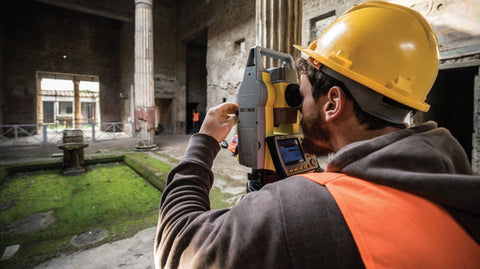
[(196, 77), (452, 102), (67, 99), (163, 115)]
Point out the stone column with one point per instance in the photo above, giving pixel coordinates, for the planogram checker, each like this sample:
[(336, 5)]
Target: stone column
[(39, 104), (77, 107), (97, 109), (279, 26), (56, 108), (144, 90)]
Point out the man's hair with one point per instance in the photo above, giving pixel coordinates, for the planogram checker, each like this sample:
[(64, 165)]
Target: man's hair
[(321, 84)]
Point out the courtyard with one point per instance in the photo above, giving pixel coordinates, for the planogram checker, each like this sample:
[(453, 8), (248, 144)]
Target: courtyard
[(134, 246)]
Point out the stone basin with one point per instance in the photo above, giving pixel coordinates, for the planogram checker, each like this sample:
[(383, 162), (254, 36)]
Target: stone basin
[(72, 147)]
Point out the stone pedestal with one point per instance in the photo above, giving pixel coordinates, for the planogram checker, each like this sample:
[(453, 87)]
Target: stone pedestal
[(73, 158)]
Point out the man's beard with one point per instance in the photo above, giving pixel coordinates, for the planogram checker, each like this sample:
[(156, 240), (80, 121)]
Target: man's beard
[(316, 136)]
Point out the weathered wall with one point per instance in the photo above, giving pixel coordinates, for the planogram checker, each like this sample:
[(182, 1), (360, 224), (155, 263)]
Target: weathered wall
[(318, 14), (119, 9), (164, 43), (2, 92), (476, 121), (38, 37), (226, 23), (164, 35), (127, 66), (456, 22), (232, 21), (191, 20)]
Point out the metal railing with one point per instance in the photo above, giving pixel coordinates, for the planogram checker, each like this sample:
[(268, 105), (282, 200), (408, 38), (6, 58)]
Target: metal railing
[(51, 133)]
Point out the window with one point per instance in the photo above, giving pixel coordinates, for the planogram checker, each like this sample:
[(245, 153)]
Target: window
[(58, 98), (320, 23), (88, 111), (48, 112), (240, 46), (65, 108)]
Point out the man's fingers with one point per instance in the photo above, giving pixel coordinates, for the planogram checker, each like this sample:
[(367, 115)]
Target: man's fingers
[(220, 120), (232, 120), (229, 108)]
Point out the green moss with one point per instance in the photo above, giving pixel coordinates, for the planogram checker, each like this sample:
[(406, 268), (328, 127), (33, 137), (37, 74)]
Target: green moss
[(3, 174), (129, 227), (106, 196), (167, 159), (150, 168), (32, 166), (89, 160)]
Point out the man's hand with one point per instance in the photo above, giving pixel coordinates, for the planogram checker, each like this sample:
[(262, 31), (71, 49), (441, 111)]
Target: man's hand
[(220, 120)]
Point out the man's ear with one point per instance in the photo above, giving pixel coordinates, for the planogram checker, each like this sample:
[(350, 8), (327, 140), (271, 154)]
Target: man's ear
[(335, 105)]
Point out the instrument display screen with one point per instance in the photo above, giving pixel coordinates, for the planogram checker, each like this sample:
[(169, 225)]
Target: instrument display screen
[(290, 151)]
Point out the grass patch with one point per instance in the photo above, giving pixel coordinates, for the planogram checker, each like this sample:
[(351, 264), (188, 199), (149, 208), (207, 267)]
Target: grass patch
[(113, 197)]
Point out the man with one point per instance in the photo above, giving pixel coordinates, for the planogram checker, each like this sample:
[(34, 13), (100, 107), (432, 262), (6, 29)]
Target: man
[(392, 196), (195, 120)]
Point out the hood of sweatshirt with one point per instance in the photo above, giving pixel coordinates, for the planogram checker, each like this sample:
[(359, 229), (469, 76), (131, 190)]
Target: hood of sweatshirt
[(424, 160)]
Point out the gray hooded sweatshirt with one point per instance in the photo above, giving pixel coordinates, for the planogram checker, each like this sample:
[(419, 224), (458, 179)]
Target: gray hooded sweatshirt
[(295, 223)]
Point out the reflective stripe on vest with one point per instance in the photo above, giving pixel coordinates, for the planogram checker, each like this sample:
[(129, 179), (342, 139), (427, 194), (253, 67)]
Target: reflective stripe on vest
[(397, 229)]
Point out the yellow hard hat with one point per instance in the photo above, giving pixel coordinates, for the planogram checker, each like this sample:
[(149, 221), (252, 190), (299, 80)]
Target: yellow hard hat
[(386, 47)]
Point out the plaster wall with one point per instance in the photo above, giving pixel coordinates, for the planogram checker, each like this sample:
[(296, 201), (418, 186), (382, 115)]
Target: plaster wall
[(164, 35), (40, 37), (126, 83), (226, 22), (165, 62), (119, 9), (191, 20), (2, 93), (456, 22), (318, 14), (234, 23)]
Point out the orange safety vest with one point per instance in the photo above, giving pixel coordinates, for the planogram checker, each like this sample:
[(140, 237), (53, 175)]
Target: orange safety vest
[(397, 229), (196, 116)]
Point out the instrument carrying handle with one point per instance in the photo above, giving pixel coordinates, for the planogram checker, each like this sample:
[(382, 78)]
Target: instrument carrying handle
[(256, 53)]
